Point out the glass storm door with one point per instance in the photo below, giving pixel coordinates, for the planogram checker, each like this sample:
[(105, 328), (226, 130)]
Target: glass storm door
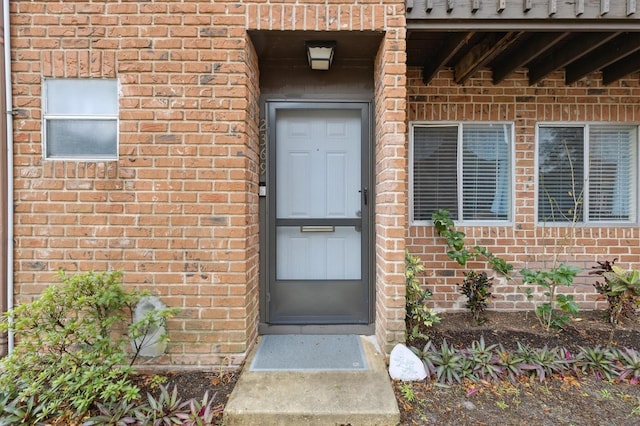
[(318, 215)]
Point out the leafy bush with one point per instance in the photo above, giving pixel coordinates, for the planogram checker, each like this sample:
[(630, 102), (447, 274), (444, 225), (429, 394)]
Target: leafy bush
[(476, 287), (18, 410), (72, 345), (166, 409), (598, 361), (556, 310), (624, 288), (448, 365), (628, 364), (448, 362), (417, 310), (615, 309)]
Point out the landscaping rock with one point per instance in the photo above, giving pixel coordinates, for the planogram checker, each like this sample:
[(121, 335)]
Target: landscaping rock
[(405, 365)]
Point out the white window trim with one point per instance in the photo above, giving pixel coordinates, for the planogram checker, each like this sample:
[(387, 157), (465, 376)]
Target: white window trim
[(88, 117), (459, 124), (585, 125)]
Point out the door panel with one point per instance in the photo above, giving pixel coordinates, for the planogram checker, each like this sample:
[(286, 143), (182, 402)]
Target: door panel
[(318, 170), (318, 247), (318, 253)]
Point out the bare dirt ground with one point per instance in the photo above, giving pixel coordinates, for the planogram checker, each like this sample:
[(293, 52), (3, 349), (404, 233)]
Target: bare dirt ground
[(560, 401)]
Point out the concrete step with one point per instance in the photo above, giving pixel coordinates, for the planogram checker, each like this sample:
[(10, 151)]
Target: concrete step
[(315, 398)]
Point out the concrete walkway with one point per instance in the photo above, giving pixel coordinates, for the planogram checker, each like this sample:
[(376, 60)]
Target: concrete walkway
[(315, 398)]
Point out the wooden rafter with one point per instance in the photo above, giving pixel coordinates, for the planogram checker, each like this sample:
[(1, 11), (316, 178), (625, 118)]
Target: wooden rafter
[(534, 47), (622, 68), (482, 53), (570, 52), (622, 46), (447, 51)]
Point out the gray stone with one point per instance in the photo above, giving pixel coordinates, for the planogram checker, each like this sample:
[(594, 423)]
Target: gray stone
[(469, 405), (405, 365), (152, 344)]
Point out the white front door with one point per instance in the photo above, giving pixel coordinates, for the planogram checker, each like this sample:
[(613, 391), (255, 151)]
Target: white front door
[(319, 210)]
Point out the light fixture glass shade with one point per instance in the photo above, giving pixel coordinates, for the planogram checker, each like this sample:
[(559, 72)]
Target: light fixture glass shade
[(320, 54)]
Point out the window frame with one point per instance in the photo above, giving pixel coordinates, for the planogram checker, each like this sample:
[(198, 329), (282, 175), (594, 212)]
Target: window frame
[(459, 170), (48, 117), (586, 126)]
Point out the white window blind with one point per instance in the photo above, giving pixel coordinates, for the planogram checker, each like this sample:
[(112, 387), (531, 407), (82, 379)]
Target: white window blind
[(486, 181), (587, 173), (80, 119), (434, 171), (612, 173), (463, 168)]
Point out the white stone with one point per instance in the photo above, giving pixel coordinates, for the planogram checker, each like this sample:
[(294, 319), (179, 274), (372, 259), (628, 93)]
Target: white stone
[(405, 365)]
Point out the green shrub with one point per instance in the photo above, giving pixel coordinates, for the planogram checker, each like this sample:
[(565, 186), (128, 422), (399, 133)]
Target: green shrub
[(624, 286), (476, 287), (167, 409), (556, 309), (72, 345), (418, 313), (493, 363)]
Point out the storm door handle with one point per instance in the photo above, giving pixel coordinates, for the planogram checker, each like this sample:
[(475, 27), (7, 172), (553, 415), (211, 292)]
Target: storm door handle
[(365, 193)]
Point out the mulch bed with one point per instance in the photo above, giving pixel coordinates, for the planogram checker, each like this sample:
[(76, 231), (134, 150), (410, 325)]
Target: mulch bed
[(559, 401)]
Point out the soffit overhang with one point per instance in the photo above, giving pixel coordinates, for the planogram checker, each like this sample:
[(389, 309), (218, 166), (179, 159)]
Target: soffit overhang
[(542, 36)]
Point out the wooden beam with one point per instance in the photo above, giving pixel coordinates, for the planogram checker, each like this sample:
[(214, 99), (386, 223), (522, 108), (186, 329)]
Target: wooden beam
[(622, 68), (609, 53), (451, 4), (478, 56), (532, 12), (449, 48), (428, 7), (408, 5), (570, 52), (531, 48)]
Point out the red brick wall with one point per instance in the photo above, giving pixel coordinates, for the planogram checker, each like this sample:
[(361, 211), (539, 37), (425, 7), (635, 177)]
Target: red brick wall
[(524, 243), (390, 177), (178, 210)]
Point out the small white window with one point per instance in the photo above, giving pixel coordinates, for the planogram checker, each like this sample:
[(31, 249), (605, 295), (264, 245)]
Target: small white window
[(587, 173), (465, 168), (80, 119)]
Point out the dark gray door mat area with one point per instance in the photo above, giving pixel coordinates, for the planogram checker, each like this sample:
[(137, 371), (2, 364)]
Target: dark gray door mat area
[(309, 353)]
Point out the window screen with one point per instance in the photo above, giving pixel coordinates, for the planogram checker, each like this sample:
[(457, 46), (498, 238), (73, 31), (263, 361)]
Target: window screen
[(587, 173), (81, 119), (463, 168)]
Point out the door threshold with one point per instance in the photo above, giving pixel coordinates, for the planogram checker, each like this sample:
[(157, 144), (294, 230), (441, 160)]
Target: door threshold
[(360, 329)]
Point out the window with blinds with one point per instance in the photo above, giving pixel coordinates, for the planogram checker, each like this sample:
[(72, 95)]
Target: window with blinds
[(587, 173), (464, 168)]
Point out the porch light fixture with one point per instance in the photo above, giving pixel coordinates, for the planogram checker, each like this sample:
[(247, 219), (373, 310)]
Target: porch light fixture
[(320, 54)]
